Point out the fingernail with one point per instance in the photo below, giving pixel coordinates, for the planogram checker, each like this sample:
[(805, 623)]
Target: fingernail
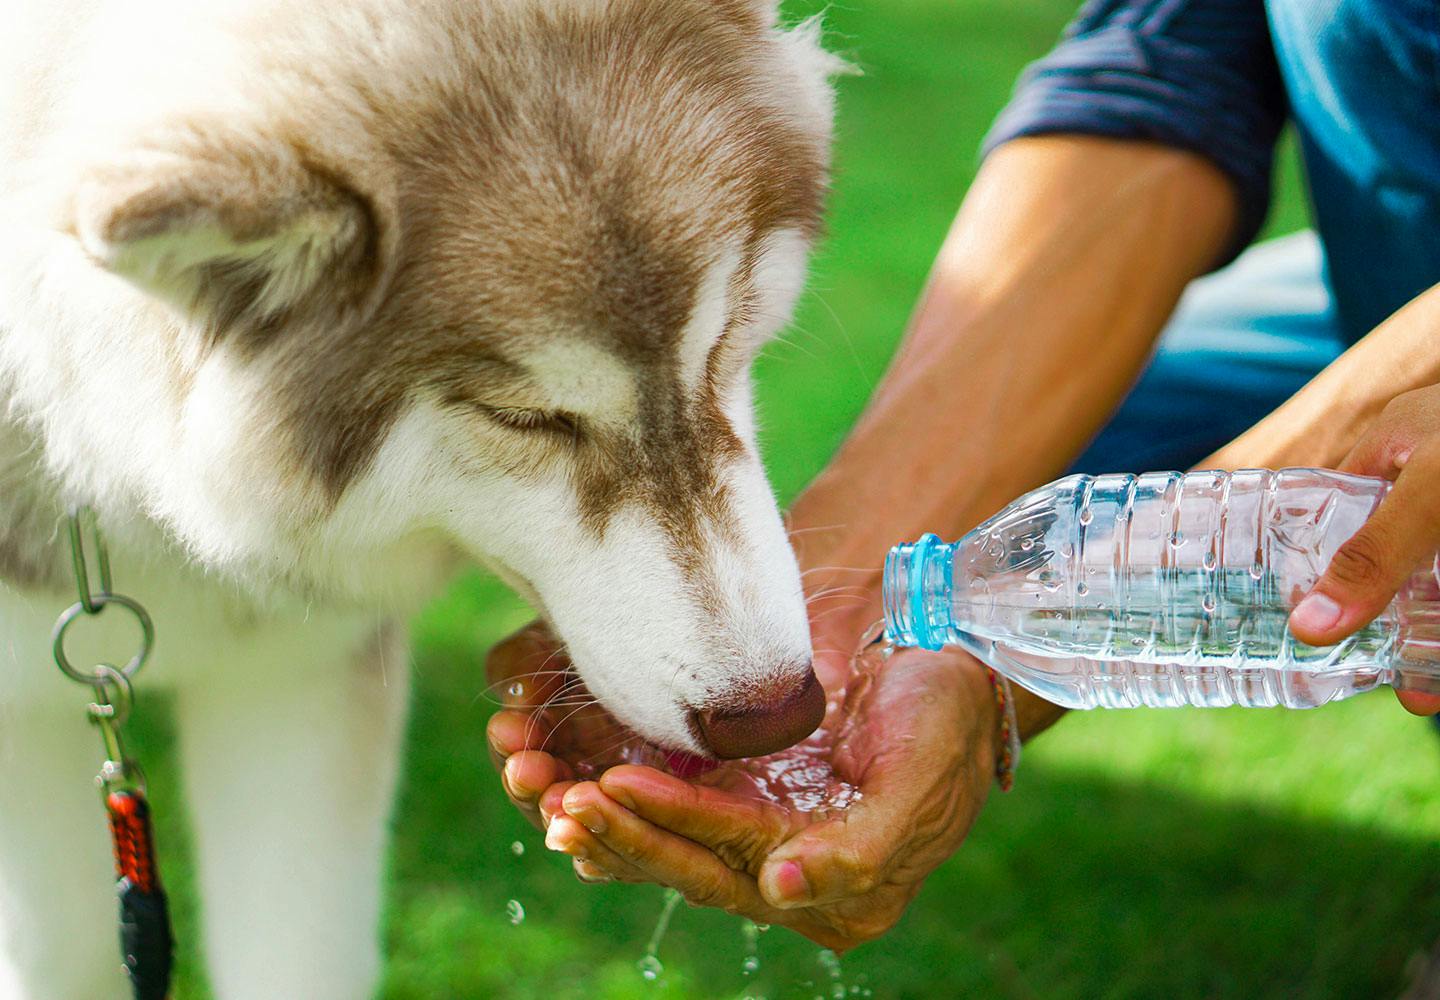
[(562, 841), (1316, 613), (623, 797), (590, 817), (788, 886), (513, 786)]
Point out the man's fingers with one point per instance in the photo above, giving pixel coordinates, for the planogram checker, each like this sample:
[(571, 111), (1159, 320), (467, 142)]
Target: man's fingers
[(526, 668), (741, 830), (696, 873), (836, 860), (528, 774), (1376, 561), (840, 859), (591, 860), (510, 731), (1419, 704), (1394, 435)]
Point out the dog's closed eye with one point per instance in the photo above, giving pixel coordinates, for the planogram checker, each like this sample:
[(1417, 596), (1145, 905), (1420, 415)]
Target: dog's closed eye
[(526, 419)]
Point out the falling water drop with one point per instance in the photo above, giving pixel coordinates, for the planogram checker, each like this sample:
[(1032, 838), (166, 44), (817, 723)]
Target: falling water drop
[(1086, 516), (830, 962), (517, 849), (650, 966), (1081, 589), (516, 912), (1209, 562), (750, 934)]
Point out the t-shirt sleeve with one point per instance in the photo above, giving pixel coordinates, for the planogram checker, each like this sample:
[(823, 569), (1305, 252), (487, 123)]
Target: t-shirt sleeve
[(1200, 75)]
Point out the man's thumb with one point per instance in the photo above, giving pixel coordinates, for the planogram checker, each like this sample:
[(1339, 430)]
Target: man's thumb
[(1369, 568), (824, 864)]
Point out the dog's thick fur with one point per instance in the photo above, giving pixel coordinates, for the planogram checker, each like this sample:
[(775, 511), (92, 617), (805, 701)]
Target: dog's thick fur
[(316, 302)]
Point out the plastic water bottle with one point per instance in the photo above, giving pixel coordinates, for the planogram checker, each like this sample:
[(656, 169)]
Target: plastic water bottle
[(1164, 589)]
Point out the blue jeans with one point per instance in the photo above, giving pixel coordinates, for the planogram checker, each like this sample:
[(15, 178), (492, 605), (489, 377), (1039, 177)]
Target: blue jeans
[(1242, 341)]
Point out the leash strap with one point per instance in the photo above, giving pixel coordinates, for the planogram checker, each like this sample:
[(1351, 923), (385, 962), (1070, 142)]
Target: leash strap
[(145, 939), (146, 943)]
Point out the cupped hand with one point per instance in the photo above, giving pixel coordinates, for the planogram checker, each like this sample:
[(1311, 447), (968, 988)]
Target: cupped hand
[(1403, 445), (832, 838)]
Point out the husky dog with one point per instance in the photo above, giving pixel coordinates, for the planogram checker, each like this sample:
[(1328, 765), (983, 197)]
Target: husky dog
[(315, 303)]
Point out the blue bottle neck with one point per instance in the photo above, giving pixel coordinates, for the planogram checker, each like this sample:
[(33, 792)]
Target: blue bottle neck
[(918, 589)]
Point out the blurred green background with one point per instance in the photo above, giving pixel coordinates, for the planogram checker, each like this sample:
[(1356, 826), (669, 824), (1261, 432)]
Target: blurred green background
[(1168, 854)]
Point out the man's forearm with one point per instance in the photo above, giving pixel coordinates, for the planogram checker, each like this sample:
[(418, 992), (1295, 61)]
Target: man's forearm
[(1062, 267)]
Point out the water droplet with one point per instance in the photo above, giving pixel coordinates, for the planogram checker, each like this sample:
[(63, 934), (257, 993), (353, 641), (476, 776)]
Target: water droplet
[(1208, 603), (516, 690), (1209, 562), (1177, 539), (750, 934), (1086, 516), (1257, 571), (650, 966), (762, 928), (1067, 550), (516, 912), (1081, 589), (517, 849), (1137, 641), (830, 962), (1026, 544)]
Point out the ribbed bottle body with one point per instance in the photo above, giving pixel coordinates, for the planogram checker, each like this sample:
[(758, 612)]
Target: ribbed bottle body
[(1163, 589)]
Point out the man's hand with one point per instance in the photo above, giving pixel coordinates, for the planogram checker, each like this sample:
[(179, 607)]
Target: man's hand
[(914, 737), (1402, 445)]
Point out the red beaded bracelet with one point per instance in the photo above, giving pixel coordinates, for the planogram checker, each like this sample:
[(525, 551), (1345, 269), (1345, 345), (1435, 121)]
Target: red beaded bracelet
[(1009, 755)]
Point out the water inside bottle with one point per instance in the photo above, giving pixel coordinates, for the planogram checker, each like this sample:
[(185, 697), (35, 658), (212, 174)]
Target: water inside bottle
[(1161, 590)]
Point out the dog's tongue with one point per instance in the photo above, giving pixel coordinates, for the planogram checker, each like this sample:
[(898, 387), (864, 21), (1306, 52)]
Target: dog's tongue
[(688, 765)]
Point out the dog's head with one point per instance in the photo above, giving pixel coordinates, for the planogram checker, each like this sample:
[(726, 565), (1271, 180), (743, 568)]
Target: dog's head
[(494, 279)]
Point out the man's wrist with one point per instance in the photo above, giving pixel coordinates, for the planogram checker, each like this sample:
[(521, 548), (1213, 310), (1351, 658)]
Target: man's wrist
[(1033, 713)]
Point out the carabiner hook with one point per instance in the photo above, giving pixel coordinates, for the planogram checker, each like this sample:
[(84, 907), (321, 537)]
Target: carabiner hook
[(80, 519)]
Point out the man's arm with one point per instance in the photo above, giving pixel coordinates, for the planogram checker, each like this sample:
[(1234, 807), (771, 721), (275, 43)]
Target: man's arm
[(1044, 304)]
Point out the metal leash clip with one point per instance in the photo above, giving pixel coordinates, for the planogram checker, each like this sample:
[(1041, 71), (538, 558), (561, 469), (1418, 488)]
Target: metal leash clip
[(146, 942)]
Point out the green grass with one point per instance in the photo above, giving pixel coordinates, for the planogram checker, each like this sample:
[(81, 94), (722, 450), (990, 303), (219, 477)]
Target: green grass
[(1166, 854)]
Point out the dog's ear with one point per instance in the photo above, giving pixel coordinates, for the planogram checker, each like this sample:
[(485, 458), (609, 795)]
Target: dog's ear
[(236, 231)]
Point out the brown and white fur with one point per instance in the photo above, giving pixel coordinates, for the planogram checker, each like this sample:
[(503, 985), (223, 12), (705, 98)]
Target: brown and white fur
[(315, 303)]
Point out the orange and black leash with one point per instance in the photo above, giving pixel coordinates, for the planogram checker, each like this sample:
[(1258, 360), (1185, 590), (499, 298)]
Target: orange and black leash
[(146, 942), (145, 939)]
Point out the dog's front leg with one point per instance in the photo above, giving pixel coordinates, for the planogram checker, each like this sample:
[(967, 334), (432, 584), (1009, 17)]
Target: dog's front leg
[(290, 767)]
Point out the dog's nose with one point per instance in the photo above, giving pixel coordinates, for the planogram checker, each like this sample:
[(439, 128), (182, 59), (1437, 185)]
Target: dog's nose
[(767, 721)]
